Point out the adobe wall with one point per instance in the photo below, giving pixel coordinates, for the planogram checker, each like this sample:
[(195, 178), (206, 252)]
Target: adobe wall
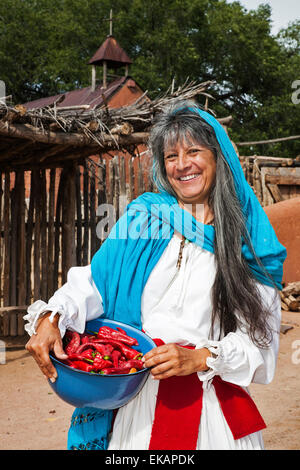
[(285, 219)]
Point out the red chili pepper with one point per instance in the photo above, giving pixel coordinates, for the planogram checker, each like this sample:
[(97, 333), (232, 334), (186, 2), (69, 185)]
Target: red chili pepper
[(84, 346), (74, 342), (89, 353), (80, 357), (121, 331), (115, 355), (86, 338), (129, 353), (83, 366), (100, 363), (109, 333), (115, 370), (134, 363)]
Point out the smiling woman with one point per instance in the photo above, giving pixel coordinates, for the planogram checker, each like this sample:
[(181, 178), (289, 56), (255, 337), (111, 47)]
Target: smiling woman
[(209, 300)]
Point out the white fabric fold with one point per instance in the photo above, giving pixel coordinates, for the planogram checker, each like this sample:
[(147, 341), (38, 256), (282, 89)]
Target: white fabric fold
[(76, 302)]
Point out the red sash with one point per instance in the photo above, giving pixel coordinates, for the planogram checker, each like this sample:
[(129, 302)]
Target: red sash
[(179, 406)]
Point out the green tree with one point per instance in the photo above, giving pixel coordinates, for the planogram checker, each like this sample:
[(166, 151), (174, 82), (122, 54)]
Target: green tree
[(45, 46)]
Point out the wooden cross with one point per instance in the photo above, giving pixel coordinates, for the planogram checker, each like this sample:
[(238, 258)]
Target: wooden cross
[(110, 22)]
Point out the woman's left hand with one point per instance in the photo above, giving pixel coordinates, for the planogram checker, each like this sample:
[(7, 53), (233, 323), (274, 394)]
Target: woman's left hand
[(170, 359)]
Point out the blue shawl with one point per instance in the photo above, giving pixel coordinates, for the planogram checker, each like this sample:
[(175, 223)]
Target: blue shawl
[(122, 265)]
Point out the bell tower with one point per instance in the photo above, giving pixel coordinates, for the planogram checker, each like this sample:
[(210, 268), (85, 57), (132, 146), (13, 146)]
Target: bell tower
[(109, 55)]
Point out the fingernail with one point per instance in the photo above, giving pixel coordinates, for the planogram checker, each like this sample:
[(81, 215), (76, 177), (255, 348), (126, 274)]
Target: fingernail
[(52, 379), (143, 359)]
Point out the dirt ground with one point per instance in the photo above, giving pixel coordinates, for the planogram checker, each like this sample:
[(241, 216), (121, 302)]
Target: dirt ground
[(32, 417)]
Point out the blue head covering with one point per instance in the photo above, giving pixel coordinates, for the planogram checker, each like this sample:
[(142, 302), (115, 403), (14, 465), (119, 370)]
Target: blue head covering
[(122, 265)]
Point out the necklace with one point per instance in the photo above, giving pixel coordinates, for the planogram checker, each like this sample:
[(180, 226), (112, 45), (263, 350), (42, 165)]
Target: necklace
[(182, 243), (179, 259)]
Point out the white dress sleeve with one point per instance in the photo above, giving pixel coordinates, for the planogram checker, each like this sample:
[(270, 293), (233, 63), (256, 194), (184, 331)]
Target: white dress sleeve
[(237, 359), (76, 302)]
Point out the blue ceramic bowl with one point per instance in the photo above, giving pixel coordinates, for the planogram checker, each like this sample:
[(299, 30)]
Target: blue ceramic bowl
[(108, 392)]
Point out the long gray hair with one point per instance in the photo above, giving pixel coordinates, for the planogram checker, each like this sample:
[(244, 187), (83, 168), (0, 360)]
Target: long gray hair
[(236, 299)]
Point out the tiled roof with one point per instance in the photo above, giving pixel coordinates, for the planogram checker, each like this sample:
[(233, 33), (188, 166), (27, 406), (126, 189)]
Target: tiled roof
[(81, 96)]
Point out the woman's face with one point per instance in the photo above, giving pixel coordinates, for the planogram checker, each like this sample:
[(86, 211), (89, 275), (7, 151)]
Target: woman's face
[(191, 171)]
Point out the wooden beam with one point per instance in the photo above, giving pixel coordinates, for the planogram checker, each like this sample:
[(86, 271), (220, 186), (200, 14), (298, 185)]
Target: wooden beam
[(275, 192), (271, 141), (282, 179), (26, 131)]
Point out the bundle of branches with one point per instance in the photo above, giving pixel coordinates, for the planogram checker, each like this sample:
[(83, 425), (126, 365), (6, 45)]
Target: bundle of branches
[(97, 124), (290, 297)]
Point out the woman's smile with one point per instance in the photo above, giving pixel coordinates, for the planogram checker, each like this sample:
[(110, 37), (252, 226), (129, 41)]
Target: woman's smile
[(189, 178)]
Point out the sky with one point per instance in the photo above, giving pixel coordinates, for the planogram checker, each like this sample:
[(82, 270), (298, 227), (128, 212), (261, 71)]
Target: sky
[(283, 11)]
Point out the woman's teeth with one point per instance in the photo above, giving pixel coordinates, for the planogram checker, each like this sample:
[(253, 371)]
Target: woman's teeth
[(188, 177)]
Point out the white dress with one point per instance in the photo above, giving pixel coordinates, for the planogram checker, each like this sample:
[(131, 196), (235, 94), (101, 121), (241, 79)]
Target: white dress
[(176, 307)]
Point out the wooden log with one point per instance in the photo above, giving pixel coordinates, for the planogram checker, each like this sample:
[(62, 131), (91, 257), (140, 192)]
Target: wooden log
[(257, 183), (116, 186), (14, 244), (13, 328), (7, 241), (54, 150), (270, 141), (21, 269), (140, 178), (57, 237), (51, 234), (37, 238), (4, 323), (102, 191), (123, 129), (78, 217), (15, 150), (275, 192), (131, 179), (93, 213), (291, 289), (282, 179), (43, 221), (284, 306), (20, 324), (292, 303), (68, 223), (29, 234), (123, 194), (85, 246), (15, 114), (58, 160), (111, 183), (26, 131)]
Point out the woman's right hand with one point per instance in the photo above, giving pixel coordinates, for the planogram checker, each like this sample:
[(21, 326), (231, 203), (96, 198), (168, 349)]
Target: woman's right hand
[(48, 338)]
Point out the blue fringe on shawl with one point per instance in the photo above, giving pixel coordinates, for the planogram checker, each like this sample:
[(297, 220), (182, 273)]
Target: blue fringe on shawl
[(122, 266)]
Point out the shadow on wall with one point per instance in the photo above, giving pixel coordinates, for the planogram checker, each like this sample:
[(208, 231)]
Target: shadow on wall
[(285, 219)]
